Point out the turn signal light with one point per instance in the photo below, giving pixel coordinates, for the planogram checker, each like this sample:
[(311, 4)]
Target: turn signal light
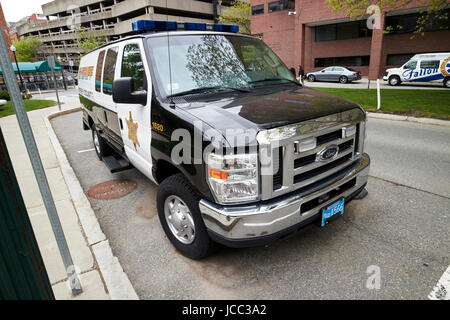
[(217, 174)]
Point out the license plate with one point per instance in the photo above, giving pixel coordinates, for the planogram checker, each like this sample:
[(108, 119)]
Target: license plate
[(331, 211)]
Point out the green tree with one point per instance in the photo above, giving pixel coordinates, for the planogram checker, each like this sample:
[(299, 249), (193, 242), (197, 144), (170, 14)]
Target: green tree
[(88, 41), (26, 49), (431, 12), (239, 13)]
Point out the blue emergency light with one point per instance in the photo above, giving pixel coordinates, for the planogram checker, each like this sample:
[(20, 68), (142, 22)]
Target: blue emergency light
[(155, 25)]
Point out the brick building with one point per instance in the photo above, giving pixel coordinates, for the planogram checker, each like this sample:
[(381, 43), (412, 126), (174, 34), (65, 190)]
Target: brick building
[(6, 31), (308, 33)]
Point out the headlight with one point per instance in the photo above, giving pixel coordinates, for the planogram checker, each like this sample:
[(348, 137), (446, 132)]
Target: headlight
[(363, 135), (233, 178)]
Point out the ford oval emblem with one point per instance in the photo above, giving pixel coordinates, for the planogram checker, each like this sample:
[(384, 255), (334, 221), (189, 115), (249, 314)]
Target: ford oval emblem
[(329, 153)]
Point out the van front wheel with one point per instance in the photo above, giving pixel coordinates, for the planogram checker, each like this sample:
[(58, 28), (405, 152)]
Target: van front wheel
[(394, 81), (180, 217)]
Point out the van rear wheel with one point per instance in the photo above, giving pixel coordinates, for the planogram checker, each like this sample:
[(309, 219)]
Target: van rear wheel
[(447, 83), (102, 149), (180, 218)]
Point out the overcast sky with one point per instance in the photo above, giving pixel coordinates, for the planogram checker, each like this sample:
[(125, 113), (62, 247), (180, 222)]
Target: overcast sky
[(15, 10)]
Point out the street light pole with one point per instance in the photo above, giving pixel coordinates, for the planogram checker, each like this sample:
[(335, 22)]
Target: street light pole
[(13, 50)]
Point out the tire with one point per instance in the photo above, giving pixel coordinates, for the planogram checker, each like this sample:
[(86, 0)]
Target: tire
[(447, 83), (186, 216), (311, 78), (394, 81), (102, 149), (343, 79)]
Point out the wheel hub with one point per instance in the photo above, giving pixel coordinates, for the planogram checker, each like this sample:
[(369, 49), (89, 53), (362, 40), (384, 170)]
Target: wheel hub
[(179, 219)]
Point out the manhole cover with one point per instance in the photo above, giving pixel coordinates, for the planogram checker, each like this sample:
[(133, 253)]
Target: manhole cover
[(111, 189)]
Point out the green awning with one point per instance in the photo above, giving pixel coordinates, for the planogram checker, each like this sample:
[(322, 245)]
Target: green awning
[(32, 67), (42, 66)]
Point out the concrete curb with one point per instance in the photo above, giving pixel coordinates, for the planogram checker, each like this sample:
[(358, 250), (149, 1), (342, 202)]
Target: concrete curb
[(117, 282), (387, 116)]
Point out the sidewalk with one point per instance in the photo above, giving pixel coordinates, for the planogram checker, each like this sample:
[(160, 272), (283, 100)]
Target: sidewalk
[(95, 281), (364, 83)]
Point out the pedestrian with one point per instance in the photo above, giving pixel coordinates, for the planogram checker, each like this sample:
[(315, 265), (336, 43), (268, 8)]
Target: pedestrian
[(301, 73)]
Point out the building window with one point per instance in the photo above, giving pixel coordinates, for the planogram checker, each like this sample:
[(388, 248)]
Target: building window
[(281, 5), (133, 67), (343, 31), (407, 23), (358, 61), (257, 10), (98, 70), (398, 59), (430, 64), (109, 70)]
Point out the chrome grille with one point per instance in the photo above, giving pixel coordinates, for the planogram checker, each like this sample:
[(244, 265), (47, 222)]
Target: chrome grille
[(303, 169)]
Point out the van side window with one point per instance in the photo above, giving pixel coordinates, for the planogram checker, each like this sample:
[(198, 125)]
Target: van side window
[(98, 70), (410, 65), (430, 64), (132, 66), (109, 69)]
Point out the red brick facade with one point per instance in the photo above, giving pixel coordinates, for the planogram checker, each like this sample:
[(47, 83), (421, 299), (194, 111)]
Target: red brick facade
[(292, 37), (5, 30)]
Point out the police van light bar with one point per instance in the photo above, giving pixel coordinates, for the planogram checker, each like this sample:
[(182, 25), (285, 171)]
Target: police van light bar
[(154, 25)]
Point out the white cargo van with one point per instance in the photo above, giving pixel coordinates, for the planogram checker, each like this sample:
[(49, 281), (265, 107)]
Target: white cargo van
[(427, 67)]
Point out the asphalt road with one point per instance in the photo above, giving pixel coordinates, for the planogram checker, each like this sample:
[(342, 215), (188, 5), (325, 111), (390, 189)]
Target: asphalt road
[(401, 227)]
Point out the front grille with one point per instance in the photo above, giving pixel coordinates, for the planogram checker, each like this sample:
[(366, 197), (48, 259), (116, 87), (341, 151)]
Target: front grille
[(304, 170)]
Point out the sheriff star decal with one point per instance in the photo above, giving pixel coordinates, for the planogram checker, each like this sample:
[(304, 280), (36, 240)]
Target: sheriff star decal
[(132, 131)]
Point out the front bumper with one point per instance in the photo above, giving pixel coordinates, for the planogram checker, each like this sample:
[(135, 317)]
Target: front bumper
[(256, 224), (385, 78)]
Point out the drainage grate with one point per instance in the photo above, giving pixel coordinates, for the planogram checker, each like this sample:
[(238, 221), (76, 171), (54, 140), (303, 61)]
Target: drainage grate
[(113, 189)]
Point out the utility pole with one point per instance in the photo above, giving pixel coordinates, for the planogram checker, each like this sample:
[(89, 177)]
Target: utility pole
[(35, 159)]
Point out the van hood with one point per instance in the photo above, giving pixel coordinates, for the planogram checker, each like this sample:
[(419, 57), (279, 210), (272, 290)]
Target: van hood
[(265, 111)]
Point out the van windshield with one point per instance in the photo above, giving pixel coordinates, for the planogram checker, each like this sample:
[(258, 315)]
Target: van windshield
[(410, 65), (208, 62)]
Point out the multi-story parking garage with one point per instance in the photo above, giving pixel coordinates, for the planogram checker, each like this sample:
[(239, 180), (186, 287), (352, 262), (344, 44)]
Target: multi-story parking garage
[(109, 18)]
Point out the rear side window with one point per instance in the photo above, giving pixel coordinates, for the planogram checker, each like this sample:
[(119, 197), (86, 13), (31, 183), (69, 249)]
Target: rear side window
[(132, 66), (429, 64), (98, 70), (109, 70)]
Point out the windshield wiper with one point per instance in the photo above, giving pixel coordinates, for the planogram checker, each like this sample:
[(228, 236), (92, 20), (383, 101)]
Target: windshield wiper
[(273, 79), (206, 89)]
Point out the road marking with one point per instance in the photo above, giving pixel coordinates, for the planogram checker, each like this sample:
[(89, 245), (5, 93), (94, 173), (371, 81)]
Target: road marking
[(442, 289), (87, 150)]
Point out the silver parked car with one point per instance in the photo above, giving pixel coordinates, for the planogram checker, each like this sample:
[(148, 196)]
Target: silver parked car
[(341, 74)]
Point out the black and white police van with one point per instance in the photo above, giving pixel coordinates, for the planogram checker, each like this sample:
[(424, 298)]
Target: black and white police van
[(243, 154)]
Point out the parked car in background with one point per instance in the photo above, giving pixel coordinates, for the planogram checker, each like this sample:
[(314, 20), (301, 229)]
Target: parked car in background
[(340, 74)]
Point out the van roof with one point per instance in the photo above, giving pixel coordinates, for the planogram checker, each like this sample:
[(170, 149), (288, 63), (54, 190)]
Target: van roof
[(431, 55), (168, 33)]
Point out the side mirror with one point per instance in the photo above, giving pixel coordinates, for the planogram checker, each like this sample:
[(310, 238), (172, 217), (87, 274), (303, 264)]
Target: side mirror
[(322, 71), (292, 70), (123, 92)]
